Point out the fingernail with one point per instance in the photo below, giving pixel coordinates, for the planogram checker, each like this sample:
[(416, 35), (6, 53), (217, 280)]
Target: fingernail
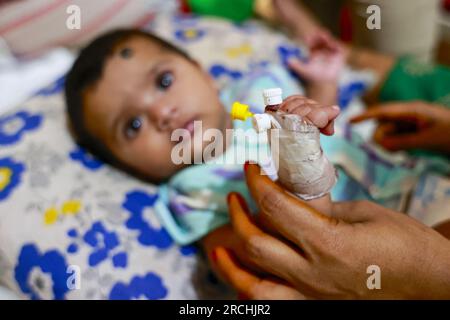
[(214, 255), (246, 165), (336, 108)]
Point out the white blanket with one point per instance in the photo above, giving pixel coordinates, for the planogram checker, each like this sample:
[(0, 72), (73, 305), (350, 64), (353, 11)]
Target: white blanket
[(19, 80)]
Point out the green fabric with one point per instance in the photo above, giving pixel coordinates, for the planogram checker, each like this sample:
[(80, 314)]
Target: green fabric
[(235, 10), (410, 80)]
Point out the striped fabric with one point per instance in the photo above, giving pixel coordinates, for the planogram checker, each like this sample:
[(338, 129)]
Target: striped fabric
[(31, 26)]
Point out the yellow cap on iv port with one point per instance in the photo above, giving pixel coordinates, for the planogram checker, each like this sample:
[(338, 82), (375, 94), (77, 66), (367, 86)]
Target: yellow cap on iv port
[(240, 111)]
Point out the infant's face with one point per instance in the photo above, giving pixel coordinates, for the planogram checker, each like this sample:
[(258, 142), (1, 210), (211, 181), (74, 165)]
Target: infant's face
[(145, 93)]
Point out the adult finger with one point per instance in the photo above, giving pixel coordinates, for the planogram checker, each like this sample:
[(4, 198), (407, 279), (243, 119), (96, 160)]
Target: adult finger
[(398, 142), (391, 111), (237, 276), (383, 129), (353, 211), (294, 219), (249, 284), (266, 252)]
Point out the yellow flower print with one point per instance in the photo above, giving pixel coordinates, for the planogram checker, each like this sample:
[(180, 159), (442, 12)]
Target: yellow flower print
[(5, 177), (70, 207), (235, 52), (50, 216), (190, 33)]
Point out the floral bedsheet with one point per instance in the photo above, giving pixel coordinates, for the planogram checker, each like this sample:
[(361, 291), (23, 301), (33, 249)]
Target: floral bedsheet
[(72, 227)]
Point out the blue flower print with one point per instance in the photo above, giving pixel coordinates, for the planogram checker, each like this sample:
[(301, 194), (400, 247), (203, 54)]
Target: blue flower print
[(218, 70), (135, 203), (41, 276), (54, 88), (104, 242), (149, 286), (72, 247), (259, 64), (86, 159), (188, 250), (349, 91), (10, 174), (287, 52), (189, 34), (185, 20), (120, 260), (12, 127)]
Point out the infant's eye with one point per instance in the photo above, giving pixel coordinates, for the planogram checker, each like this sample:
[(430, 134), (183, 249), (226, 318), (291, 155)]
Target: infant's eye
[(164, 80), (132, 127)]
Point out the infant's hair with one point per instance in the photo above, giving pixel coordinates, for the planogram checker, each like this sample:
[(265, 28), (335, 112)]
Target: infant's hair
[(86, 71)]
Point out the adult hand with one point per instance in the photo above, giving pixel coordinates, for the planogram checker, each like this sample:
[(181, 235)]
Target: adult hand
[(328, 257), (222, 246), (410, 125)]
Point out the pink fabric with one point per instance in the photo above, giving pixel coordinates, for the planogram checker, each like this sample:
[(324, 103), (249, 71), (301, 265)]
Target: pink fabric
[(31, 27), (21, 21)]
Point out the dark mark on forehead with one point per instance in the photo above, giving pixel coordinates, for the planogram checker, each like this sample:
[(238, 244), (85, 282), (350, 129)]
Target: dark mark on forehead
[(126, 53)]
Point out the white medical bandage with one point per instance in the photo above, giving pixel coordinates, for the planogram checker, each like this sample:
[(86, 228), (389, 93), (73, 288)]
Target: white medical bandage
[(303, 168)]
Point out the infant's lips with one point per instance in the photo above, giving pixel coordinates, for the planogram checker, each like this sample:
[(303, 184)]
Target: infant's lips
[(189, 126)]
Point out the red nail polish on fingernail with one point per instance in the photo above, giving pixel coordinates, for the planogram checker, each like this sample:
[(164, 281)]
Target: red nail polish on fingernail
[(214, 255), (246, 165)]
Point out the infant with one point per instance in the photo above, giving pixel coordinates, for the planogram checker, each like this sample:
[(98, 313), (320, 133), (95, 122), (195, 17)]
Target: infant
[(128, 91)]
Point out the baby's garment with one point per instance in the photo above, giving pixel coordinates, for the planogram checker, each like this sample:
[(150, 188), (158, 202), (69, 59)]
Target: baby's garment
[(193, 202)]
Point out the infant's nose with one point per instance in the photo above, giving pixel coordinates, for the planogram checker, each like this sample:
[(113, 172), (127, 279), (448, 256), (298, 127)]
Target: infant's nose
[(163, 116)]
